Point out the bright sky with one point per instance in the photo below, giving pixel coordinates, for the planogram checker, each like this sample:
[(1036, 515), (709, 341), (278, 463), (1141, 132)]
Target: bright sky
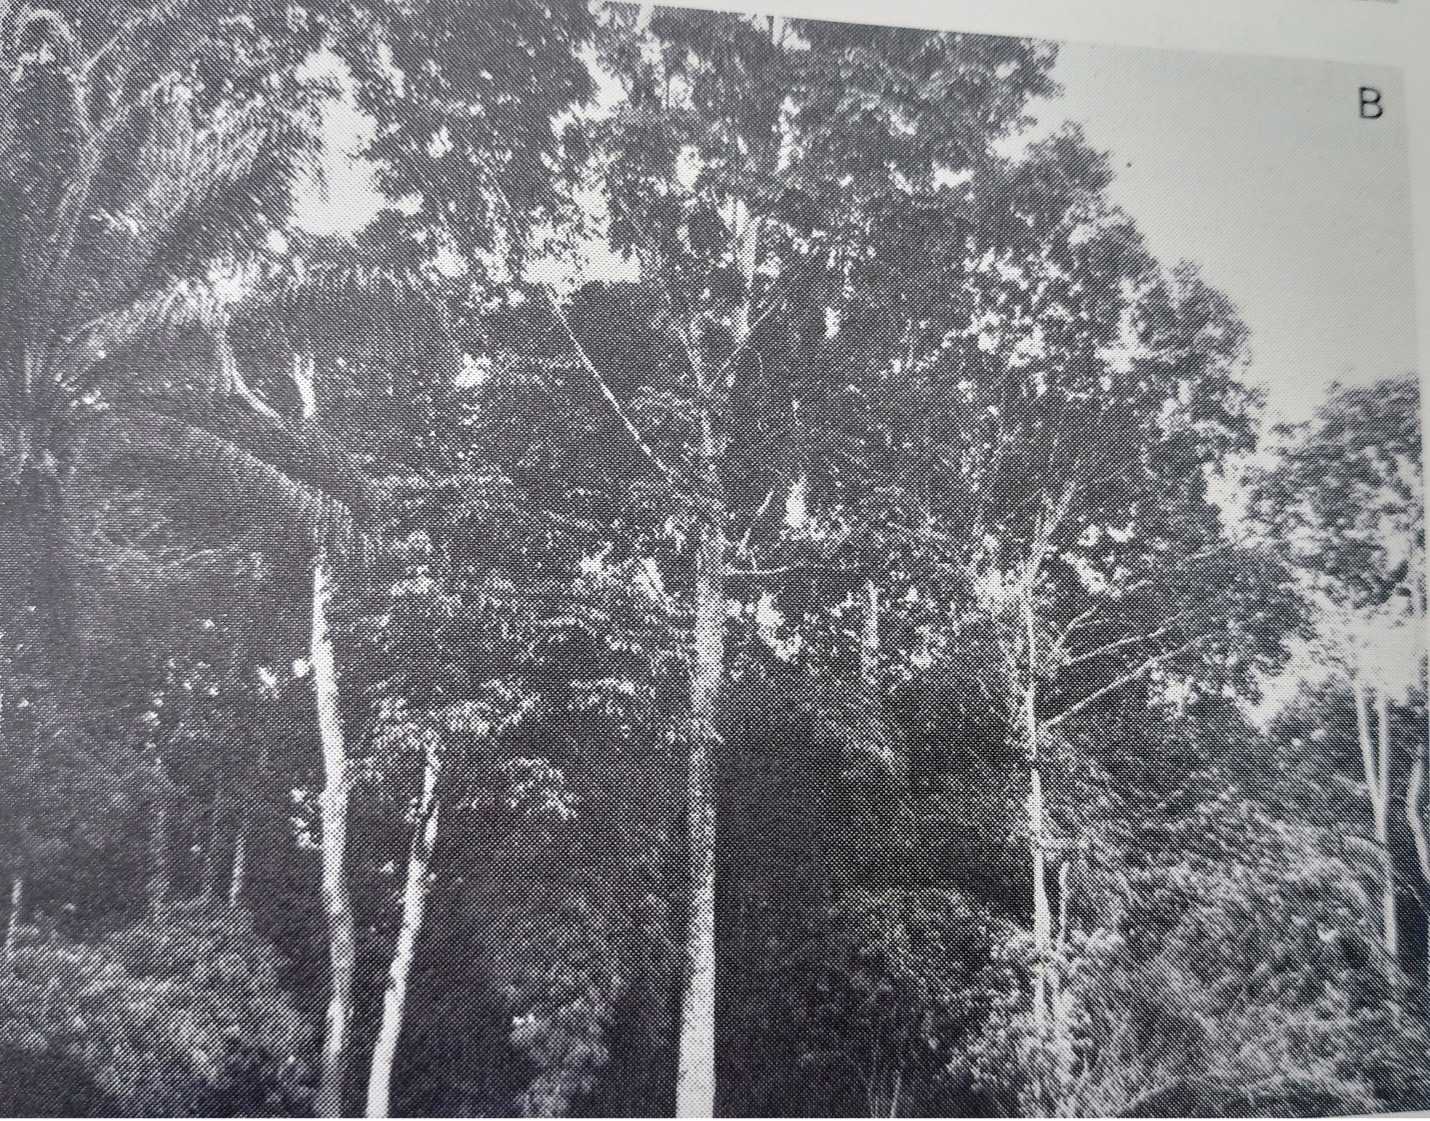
[(1262, 171)]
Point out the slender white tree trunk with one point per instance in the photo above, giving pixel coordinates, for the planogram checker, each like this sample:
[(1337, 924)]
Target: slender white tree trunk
[(695, 1070), (1415, 809), (1042, 913), (337, 902), (12, 926), (1415, 802), (1376, 764), (208, 890), (1382, 831), (414, 909), (869, 648), (1063, 903), (1037, 823), (238, 872)]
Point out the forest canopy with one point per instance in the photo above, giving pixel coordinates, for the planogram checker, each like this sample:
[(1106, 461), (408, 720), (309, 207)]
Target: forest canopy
[(717, 598)]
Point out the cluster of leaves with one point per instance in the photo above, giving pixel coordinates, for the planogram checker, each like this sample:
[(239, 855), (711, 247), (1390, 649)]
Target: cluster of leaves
[(166, 1019), (1346, 497), (1222, 963), (895, 994)]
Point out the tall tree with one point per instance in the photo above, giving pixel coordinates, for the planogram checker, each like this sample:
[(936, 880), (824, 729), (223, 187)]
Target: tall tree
[(414, 70), (145, 148), (1345, 502), (463, 104), (735, 167)]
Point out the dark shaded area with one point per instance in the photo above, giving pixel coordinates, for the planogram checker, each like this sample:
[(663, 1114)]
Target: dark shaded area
[(39, 1084)]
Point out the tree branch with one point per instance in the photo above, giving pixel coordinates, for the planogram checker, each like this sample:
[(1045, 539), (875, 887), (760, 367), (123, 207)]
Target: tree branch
[(744, 545), (744, 344), (1125, 679), (1131, 640), (611, 399), (1166, 627)]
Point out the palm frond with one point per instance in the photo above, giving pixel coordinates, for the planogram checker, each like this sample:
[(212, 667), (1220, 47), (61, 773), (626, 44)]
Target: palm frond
[(239, 481), (178, 171), (176, 427), (164, 13), (157, 316), (57, 272)]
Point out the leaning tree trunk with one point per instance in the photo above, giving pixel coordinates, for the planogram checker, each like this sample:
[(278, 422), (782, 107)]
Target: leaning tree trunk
[(337, 902), (414, 908), (695, 1077)]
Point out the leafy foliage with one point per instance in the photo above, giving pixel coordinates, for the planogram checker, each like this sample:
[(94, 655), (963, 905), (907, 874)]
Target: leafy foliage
[(174, 1020), (1226, 965), (897, 994), (963, 430)]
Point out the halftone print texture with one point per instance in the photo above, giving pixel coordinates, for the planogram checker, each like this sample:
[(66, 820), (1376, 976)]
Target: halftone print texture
[(613, 560)]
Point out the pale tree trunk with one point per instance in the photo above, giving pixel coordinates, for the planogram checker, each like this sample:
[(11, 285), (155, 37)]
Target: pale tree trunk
[(882, 1093), (747, 249), (1415, 817), (333, 805), (208, 890), (869, 648), (414, 908), (1050, 1003), (238, 872), (1037, 824), (695, 1070), (161, 866), (12, 926), (1376, 764), (1060, 997), (1415, 802), (1042, 913), (1045, 996), (695, 1056), (1063, 902), (870, 681)]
